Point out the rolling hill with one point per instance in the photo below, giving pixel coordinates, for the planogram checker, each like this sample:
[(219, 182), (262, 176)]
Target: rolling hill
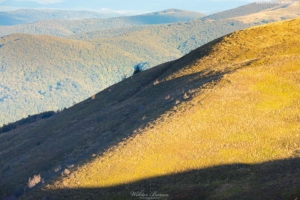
[(70, 27), (222, 122), (254, 12), (285, 11), (251, 14), (243, 10)]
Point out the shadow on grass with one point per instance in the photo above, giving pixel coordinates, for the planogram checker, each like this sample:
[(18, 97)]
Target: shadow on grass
[(270, 180), (76, 135), (25, 121)]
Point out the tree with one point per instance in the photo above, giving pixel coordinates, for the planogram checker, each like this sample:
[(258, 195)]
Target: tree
[(136, 70), (141, 67)]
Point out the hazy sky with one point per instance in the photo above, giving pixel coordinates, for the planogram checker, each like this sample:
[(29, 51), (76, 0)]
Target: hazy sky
[(206, 6)]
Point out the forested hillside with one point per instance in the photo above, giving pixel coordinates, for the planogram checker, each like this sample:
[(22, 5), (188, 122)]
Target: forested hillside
[(42, 73)]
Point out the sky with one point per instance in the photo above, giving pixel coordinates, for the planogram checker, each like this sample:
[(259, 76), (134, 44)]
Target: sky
[(204, 6)]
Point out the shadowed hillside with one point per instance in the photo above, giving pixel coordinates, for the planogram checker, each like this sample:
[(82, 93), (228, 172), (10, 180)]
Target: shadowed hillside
[(233, 100), (269, 180), (70, 27)]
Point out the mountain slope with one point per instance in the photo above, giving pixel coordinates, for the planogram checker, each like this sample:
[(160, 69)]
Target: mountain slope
[(233, 100), (242, 11), (89, 66), (41, 73), (285, 11), (70, 27)]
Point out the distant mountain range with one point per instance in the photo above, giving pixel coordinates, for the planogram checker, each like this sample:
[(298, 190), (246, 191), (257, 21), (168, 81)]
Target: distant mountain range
[(24, 16), (221, 122), (71, 27)]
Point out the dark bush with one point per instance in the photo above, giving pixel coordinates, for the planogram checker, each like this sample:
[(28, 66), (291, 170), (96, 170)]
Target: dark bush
[(137, 70), (47, 114), (28, 120), (8, 127), (141, 67)]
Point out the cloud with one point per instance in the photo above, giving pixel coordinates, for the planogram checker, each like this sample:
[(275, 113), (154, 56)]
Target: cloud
[(43, 1)]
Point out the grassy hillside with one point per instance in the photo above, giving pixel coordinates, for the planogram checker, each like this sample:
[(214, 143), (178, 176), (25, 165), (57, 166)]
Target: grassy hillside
[(219, 123), (285, 11), (70, 27), (242, 11), (24, 16), (42, 73)]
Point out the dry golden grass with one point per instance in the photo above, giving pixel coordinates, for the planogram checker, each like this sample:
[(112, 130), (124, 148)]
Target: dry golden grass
[(250, 116), (291, 11)]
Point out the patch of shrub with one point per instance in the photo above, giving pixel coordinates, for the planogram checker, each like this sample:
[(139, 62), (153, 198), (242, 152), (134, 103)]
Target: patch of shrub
[(28, 120), (47, 114)]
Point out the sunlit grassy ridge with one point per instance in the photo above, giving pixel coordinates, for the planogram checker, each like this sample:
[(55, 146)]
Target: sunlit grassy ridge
[(243, 10), (236, 101), (282, 11)]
